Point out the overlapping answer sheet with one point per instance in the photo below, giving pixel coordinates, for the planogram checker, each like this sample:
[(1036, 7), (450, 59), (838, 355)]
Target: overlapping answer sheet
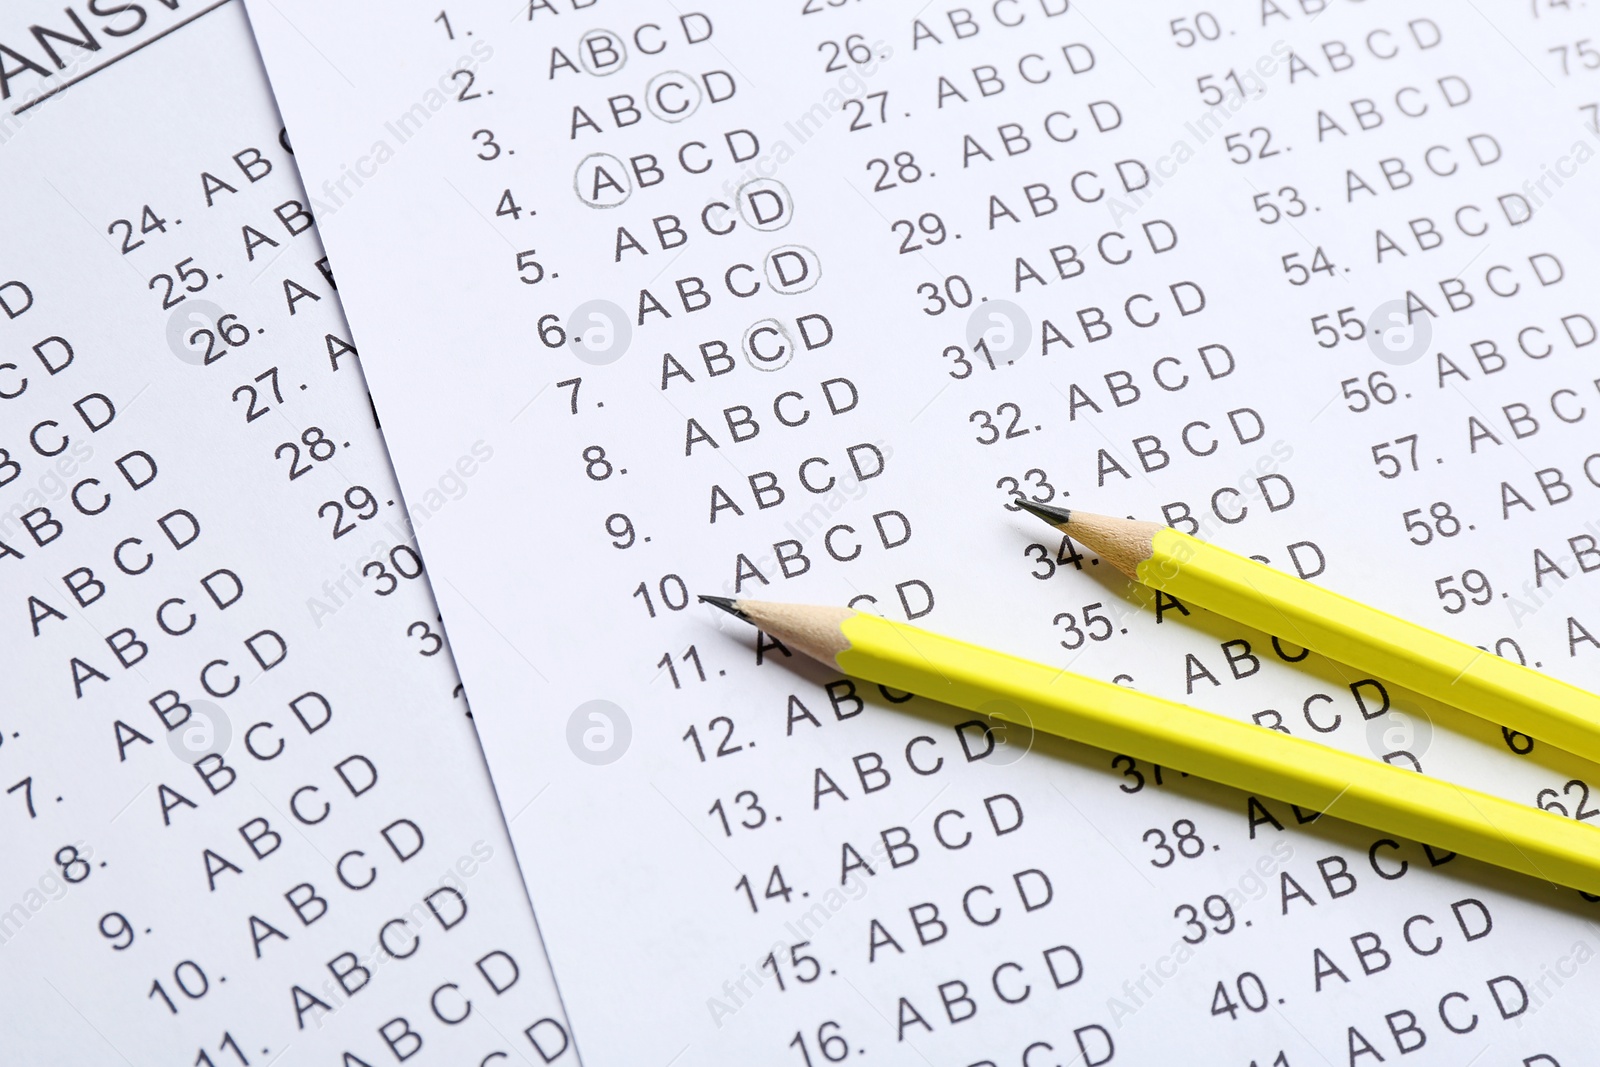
[(797, 300), (245, 818)]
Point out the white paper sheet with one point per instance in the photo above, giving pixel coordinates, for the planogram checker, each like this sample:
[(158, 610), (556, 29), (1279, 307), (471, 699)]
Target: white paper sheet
[(245, 818), (778, 234)]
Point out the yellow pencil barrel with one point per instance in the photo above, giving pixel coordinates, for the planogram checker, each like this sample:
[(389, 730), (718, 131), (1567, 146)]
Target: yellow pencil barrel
[(1234, 753), (1422, 660)]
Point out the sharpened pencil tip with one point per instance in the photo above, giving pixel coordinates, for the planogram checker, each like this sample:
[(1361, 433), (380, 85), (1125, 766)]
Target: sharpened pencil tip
[(725, 603), (1054, 516)]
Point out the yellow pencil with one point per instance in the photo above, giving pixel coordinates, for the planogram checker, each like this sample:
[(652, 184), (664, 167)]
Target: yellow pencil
[(1242, 755), (1452, 672)]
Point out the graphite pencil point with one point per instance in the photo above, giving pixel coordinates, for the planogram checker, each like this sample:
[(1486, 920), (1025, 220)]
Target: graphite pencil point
[(725, 603), (1054, 516)]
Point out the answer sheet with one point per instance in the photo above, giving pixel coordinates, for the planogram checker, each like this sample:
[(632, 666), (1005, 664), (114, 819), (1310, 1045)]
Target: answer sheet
[(245, 818), (796, 301)]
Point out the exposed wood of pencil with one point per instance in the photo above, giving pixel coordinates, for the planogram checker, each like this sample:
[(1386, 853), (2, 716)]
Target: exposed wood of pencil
[(1123, 543), (814, 631)]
